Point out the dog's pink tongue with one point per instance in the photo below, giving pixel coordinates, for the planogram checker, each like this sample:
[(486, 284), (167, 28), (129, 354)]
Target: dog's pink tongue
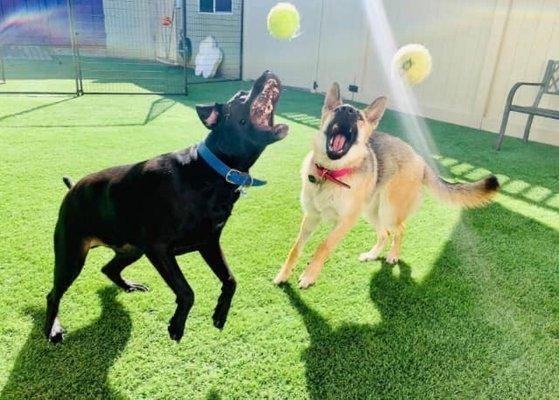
[(339, 142)]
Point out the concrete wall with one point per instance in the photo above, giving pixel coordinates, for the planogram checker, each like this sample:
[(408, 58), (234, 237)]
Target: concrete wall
[(479, 48)]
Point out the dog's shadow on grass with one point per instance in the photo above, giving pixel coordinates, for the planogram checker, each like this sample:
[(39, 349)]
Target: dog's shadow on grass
[(79, 366), (452, 334)]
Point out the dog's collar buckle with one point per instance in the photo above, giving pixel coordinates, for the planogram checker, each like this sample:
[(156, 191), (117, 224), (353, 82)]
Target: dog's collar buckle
[(239, 176), (233, 176)]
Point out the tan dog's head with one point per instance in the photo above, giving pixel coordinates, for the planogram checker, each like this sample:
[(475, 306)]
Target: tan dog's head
[(345, 130)]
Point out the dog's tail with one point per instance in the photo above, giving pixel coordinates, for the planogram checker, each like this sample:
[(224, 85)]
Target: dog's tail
[(68, 182), (475, 194)]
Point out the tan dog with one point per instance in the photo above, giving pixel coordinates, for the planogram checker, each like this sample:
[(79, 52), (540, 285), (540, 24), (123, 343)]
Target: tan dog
[(352, 172)]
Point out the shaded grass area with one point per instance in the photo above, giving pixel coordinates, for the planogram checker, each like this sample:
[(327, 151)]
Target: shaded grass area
[(100, 74), (471, 312)]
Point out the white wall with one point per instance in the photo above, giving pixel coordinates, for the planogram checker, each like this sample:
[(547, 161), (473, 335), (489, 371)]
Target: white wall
[(479, 48), (530, 39), (457, 33), (343, 39), (293, 61)]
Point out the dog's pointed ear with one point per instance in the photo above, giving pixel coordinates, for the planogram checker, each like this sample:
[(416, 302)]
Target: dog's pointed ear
[(332, 99), (375, 111), (209, 114)]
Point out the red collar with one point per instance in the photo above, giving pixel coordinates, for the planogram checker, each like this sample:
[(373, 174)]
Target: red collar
[(334, 175)]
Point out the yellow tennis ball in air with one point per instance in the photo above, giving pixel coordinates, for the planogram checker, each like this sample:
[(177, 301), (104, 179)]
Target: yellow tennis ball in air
[(413, 63), (283, 21)]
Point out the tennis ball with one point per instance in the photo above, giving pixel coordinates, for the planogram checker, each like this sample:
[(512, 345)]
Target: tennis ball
[(283, 21), (413, 63)]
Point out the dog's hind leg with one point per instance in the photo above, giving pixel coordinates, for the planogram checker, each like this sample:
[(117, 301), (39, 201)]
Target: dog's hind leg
[(213, 255), (394, 253), (114, 268), (169, 269), (70, 253), (382, 236), (372, 216), (402, 198), (308, 225)]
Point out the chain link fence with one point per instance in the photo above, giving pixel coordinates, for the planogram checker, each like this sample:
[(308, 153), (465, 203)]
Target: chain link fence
[(118, 46)]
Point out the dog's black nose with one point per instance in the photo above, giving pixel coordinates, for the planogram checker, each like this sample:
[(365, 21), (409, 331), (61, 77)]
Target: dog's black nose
[(346, 110)]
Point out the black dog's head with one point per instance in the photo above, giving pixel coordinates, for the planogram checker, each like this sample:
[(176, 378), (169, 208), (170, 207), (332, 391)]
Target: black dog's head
[(247, 119)]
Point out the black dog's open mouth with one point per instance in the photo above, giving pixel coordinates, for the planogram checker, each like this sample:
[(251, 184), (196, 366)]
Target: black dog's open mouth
[(338, 143), (263, 107)]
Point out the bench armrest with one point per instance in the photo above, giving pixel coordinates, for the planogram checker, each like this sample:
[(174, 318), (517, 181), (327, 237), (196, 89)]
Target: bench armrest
[(516, 86)]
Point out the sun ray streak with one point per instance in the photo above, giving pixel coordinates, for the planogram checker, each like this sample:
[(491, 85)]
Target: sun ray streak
[(401, 96)]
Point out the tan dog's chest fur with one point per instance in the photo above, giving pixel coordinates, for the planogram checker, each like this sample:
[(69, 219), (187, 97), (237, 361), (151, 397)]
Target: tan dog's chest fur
[(330, 201), (385, 187)]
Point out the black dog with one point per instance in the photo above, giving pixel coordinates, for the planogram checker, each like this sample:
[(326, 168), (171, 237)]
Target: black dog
[(169, 205)]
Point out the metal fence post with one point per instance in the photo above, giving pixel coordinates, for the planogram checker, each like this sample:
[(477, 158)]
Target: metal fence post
[(242, 44), (75, 48), (2, 70), (184, 45)]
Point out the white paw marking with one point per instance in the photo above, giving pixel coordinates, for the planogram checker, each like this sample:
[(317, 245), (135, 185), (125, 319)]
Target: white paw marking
[(280, 278), (368, 256), (391, 259), (305, 282)]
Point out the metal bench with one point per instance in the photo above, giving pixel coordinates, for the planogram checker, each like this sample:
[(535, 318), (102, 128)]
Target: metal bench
[(549, 85)]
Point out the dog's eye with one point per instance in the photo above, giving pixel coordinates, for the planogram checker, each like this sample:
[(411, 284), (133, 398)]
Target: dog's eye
[(242, 121)]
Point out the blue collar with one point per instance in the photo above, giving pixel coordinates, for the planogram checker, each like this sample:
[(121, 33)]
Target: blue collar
[(231, 175)]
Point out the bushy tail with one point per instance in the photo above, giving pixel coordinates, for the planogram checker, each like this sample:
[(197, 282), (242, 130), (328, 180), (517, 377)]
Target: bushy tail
[(475, 194), (68, 182)]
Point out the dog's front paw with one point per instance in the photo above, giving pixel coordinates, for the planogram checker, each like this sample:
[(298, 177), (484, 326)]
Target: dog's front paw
[(220, 317), (280, 278), (392, 259), (135, 287), (368, 256), (56, 333), (176, 331), (306, 281), (220, 313)]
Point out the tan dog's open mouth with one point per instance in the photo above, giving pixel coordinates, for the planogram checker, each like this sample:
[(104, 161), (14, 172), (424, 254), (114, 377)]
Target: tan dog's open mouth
[(339, 141)]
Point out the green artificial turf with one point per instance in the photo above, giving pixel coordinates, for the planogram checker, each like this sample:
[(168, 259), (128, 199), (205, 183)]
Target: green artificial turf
[(99, 75), (472, 311)]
